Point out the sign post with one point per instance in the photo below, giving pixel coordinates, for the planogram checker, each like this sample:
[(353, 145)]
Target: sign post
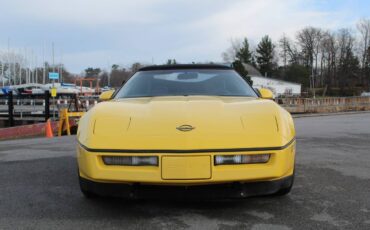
[(53, 76)]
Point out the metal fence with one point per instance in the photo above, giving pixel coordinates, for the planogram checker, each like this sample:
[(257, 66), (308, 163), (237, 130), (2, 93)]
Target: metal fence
[(40, 107), (328, 104)]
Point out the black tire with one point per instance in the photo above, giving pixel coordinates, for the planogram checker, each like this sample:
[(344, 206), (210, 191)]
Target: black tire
[(87, 194), (284, 191)]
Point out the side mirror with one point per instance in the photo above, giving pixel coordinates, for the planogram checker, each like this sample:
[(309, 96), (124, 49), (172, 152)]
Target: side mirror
[(266, 93), (106, 96)]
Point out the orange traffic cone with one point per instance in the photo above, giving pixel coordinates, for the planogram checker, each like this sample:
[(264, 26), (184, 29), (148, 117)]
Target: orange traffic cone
[(48, 129)]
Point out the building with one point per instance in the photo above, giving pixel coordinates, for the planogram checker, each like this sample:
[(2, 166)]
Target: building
[(278, 87)]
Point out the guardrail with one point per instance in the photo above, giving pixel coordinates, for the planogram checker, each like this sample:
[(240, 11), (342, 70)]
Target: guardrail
[(327, 105)]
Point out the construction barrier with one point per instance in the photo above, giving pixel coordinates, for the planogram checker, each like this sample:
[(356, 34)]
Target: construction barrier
[(65, 118)]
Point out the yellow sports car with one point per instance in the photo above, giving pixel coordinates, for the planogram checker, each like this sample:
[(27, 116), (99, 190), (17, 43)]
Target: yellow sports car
[(186, 130)]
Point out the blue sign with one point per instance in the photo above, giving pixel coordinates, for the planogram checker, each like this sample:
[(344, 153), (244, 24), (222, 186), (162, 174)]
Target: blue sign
[(53, 76)]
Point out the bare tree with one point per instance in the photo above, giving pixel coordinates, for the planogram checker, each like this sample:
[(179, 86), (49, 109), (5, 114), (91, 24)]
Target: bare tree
[(309, 40), (230, 54), (288, 51), (363, 27), (284, 45), (118, 76), (137, 65), (329, 49), (347, 62)]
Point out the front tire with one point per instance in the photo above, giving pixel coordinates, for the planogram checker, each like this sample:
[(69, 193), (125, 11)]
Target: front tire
[(87, 194), (285, 190)]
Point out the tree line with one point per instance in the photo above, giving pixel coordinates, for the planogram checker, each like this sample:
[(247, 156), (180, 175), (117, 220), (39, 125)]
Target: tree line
[(332, 62), (327, 62), (115, 77)]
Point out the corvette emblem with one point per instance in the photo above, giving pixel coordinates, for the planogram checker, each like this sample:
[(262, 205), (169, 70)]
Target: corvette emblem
[(185, 128)]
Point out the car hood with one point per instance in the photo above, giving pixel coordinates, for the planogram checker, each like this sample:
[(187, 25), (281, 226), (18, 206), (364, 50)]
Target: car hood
[(217, 122)]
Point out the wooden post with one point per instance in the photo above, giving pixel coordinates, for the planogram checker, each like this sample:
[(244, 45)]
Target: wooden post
[(47, 105), (10, 109)]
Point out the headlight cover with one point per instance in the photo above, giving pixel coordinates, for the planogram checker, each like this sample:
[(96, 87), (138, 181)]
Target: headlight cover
[(242, 159)]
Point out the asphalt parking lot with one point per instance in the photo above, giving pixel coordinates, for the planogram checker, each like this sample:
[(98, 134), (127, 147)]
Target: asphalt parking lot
[(39, 188)]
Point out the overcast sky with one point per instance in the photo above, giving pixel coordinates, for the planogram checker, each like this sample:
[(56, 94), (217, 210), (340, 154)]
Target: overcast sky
[(100, 33)]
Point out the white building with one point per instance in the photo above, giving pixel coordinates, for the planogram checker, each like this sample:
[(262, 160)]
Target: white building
[(278, 87)]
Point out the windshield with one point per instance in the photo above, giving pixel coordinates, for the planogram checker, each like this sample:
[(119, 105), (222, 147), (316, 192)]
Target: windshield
[(185, 83)]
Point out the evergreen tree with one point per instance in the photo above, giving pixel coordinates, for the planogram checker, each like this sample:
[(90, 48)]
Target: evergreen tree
[(244, 54), (265, 55)]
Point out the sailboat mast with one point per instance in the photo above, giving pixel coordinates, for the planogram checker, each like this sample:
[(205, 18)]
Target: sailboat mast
[(43, 61)]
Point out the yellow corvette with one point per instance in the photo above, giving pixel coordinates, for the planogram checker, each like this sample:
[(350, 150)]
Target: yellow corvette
[(186, 130)]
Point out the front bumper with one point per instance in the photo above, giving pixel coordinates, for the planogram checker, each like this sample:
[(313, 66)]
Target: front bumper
[(92, 168), (204, 192)]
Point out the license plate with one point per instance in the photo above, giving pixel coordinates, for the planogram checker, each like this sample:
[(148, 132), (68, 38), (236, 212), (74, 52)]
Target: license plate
[(186, 167)]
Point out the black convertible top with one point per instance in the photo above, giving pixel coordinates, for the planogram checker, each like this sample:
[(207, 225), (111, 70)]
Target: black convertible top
[(185, 66)]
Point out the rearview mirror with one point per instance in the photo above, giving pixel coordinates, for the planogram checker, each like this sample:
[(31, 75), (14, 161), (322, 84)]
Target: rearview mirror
[(266, 93), (106, 96), (187, 76)]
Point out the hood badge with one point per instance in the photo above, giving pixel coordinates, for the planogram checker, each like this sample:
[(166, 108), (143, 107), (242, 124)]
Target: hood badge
[(185, 128)]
